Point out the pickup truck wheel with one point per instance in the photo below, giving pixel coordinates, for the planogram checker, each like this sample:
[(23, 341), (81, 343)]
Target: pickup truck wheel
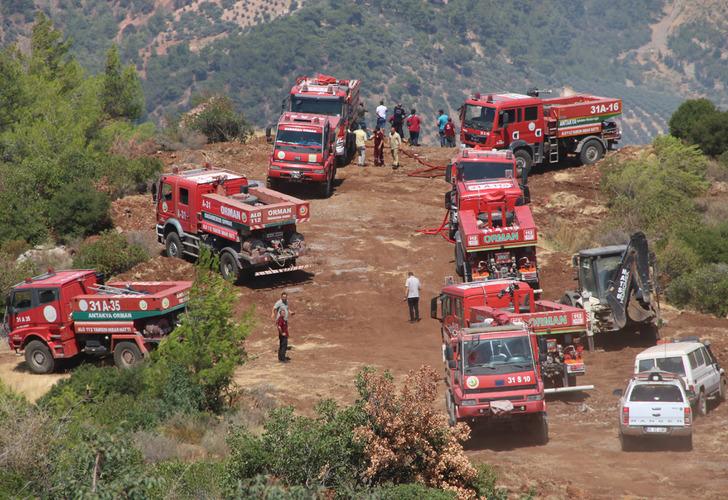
[(702, 404), (173, 245), (127, 354), (722, 389), (38, 357), (591, 152), (541, 429), (627, 442), (686, 443), (229, 268)]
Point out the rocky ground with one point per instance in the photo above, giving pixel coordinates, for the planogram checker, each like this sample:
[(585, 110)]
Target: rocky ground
[(350, 313)]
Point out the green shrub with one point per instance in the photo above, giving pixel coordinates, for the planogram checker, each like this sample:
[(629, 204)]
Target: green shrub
[(208, 343), (704, 289), (411, 491), (219, 121), (200, 479), (677, 257), (110, 253), (79, 210)]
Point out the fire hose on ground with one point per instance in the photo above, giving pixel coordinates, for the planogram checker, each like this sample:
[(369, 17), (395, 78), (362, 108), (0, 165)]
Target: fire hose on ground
[(440, 230)]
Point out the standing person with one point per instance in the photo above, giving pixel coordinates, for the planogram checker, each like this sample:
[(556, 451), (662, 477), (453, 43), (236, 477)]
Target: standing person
[(413, 125), (378, 137), (361, 116), (381, 114), (412, 286), (361, 145), (397, 119), (378, 147), (280, 316), (395, 140), (441, 122), (450, 133)]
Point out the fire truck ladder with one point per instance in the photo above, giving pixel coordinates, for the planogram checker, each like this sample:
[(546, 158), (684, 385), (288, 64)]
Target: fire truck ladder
[(553, 149)]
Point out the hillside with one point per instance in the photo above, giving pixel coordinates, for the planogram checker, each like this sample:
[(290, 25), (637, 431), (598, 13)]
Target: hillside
[(425, 53)]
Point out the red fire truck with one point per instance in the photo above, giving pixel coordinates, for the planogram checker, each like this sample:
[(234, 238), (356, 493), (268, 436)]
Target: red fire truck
[(495, 241), (542, 130), (338, 99), (559, 329), (303, 151), (252, 229), (60, 315), (480, 176)]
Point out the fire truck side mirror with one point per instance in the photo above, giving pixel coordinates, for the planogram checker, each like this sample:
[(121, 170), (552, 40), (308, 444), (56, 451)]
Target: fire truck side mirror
[(452, 364), (448, 352), (154, 192), (448, 173), (575, 260)]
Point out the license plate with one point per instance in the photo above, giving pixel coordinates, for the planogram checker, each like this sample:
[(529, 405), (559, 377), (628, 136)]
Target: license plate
[(656, 430)]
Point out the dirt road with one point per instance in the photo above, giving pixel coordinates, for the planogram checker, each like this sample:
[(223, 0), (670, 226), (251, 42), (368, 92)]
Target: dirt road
[(350, 313)]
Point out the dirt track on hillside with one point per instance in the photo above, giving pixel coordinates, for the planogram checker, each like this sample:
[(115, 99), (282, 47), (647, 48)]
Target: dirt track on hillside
[(350, 313)]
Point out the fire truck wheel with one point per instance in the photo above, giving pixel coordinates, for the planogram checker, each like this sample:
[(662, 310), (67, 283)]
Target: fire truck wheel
[(450, 405), (459, 259), (127, 354), (541, 429), (591, 152), (523, 162), (272, 183), (229, 268), (38, 357), (467, 272), (327, 187), (173, 245)]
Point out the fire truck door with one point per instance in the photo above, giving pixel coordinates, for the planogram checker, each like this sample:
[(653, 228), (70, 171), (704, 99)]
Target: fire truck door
[(183, 208), (509, 125), (167, 201)]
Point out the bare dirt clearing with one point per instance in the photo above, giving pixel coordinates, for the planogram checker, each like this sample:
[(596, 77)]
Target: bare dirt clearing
[(350, 313)]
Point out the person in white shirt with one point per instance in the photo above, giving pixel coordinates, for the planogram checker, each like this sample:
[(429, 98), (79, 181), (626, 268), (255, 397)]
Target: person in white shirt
[(381, 115), (412, 286)]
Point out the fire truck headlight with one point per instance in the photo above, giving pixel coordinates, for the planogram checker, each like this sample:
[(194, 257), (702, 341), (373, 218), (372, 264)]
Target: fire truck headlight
[(534, 397), (320, 172), (468, 402), (275, 167)]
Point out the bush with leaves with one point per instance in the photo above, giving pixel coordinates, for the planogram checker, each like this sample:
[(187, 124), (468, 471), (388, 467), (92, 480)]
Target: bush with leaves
[(109, 253), (217, 119), (700, 122), (705, 289), (208, 343), (78, 211)]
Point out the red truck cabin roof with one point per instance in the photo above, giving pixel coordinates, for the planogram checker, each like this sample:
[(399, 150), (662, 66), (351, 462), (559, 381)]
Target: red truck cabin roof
[(307, 121), (476, 288), (492, 100), (324, 85), (57, 278)]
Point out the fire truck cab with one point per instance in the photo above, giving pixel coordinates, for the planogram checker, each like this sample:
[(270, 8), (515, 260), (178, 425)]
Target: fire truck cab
[(303, 151)]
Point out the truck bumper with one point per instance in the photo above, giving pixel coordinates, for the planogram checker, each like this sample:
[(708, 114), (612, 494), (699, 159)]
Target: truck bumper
[(484, 410), (309, 173), (641, 431)]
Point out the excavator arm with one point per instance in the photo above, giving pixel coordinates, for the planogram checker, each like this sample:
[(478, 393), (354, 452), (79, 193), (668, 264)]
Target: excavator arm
[(632, 277)]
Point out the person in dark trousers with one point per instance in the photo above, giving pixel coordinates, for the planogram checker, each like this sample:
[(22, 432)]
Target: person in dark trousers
[(441, 122), (450, 133), (280, 317), (397, 119), (412, 287), (413, 125), (378, 147)]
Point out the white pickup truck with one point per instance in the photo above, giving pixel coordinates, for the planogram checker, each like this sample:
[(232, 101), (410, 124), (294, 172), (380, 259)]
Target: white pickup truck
[(655, 405)]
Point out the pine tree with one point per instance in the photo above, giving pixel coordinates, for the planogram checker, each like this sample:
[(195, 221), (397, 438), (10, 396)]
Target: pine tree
[(50, 54), (122, 95)]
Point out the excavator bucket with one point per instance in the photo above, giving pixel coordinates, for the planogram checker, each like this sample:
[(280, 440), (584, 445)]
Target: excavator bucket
[(632, 283)]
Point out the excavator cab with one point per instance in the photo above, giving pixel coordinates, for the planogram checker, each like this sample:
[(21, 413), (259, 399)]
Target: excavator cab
[(597, 267)]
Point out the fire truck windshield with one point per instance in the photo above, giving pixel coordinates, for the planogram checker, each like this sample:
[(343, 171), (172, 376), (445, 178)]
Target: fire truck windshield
[(485, 170), (318, 106), (496, 356), (478, 117), (299, 141)]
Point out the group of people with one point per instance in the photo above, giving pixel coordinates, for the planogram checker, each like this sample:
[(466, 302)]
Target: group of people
[(398, 120)]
